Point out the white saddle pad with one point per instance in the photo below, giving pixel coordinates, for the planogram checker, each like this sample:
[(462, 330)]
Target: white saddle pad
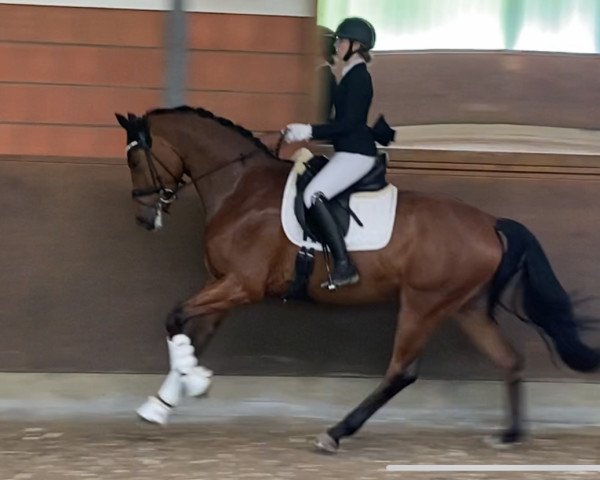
[(376, 210)]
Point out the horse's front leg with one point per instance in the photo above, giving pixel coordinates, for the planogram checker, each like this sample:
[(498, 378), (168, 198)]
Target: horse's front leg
[(207, 308)]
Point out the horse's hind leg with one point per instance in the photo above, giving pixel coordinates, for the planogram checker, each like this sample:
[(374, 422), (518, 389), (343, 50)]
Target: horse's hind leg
[(207, 308), (421, 314), (487, 336)]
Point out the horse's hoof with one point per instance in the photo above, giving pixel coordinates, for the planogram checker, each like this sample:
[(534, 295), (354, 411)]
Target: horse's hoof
[(325, 443), (154, 411), (507, 439)]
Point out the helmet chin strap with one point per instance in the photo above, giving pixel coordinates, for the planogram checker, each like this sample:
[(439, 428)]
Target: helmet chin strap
[(350, 52)]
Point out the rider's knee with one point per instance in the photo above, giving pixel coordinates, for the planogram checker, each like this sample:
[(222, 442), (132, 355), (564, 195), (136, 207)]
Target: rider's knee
[(310, 198)]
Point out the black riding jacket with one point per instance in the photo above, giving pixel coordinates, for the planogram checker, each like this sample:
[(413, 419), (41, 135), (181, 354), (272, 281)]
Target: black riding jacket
[(328, 85), (348, 130)]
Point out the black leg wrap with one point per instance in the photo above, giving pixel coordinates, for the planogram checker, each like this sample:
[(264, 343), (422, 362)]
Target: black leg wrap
[(369, 406), (511, 436), (514, 432)]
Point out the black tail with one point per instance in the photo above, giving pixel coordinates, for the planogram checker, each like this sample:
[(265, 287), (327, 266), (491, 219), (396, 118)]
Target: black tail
[(545, 302)]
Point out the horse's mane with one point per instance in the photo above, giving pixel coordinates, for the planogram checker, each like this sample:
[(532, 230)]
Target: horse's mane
[(223, 121)]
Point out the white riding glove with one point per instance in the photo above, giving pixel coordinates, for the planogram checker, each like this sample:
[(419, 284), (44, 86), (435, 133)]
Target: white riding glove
[(298, 132)]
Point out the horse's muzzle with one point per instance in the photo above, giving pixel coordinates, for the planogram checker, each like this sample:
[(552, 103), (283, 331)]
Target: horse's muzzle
[(149, 216), (144, 222)]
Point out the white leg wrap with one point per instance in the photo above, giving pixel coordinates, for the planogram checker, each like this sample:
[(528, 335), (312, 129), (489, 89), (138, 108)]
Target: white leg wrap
[(154, 411), (171, 389), (196, 382), (157, 409), (195, 379), (181, 354)]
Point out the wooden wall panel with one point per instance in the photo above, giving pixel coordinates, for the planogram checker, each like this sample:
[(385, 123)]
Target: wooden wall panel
[(84, 289), (64, 104), (557, 90), (240, 65), (61, 140), (251, 33), (269, 112), (248, 72), (74, 65), (82, 26), (65, 71)]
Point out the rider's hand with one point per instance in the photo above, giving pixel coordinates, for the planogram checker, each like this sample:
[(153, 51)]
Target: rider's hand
[(298, 132)]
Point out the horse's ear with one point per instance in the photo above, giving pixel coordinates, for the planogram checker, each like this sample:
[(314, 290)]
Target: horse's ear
[(122, 121), (131, 116)]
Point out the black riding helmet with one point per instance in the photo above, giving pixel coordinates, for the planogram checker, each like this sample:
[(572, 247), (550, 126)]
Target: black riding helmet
[(357, 29)]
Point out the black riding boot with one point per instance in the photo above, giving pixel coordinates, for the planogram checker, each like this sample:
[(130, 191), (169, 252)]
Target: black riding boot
[(344, 272)]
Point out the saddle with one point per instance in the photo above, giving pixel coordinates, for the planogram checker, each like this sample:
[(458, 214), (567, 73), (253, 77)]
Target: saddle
[(305, 234), (373, 181)]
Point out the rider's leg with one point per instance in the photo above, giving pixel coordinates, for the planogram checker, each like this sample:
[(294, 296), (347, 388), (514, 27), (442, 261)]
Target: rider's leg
[(344, 272), (342, 171)]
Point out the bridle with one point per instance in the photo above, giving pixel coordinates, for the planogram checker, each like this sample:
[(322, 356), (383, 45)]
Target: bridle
[(167, 195)]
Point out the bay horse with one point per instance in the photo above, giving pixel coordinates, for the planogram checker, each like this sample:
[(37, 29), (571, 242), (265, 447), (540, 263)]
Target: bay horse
[(445, 259)]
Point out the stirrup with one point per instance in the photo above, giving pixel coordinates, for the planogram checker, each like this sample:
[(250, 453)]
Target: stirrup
[(334, 285)]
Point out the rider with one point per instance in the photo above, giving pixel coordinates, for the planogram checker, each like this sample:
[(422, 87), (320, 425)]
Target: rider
[(326, 79), (355, 150)]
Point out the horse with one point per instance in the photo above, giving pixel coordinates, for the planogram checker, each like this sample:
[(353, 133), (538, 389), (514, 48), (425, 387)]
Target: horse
[(445, 259)]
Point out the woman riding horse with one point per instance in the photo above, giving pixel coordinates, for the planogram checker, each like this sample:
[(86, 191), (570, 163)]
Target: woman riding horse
[(445, 259), (355, 150)]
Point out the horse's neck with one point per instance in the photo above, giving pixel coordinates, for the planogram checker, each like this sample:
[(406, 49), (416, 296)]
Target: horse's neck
[(214, 189), (211, 153)]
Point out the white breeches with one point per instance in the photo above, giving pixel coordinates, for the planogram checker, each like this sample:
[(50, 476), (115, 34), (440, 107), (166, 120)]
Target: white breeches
[(343, 170)]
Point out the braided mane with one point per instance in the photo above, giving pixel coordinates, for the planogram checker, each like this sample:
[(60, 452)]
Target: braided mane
[(222, 121)]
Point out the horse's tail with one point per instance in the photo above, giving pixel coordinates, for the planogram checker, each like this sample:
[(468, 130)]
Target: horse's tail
[(545, 302)]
